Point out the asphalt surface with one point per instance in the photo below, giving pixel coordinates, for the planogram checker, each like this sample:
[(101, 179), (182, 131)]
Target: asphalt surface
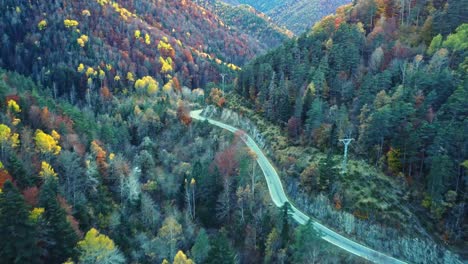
[(279, 197)]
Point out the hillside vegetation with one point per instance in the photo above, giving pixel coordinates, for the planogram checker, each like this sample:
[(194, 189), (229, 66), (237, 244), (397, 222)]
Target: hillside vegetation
[(295, 15), (251, 21), (74, 46), (393, 78)]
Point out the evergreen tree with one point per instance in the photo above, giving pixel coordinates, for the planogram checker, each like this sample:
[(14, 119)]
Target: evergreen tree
[(307, 244), (221, 252), (327, 171), (201, 248), (285, 227), (17, 233), (60, 237), (16, 168)]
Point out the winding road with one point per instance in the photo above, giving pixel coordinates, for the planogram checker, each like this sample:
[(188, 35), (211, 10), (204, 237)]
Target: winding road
[(279, 197)]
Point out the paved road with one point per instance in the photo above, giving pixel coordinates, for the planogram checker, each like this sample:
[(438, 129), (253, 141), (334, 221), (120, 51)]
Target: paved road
[(279, 197)]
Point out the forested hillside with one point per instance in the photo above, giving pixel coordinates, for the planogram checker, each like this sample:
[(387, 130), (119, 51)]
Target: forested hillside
[(74, 46), (250, 21), (299, 15), (393, 78), (261, 5), (295, 15), (101, 162)]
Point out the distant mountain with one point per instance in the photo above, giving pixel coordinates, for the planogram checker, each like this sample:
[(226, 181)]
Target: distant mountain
[(260, 5), (296, 15), (248, 20)]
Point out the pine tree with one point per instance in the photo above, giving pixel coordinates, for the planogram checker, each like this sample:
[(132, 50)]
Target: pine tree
[(285, 229), (327, 171), (17, 171), (17, 233), (60, 238), (307, 244), (221, 252), (201, 248)]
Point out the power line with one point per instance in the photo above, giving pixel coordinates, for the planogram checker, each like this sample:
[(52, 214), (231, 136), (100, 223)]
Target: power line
[(346, 142)]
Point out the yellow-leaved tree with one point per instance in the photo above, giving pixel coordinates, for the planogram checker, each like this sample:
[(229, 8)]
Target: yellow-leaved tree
[(98, 248), (82, 40), (42, 24), (166, 64), (80, 68), (7, 138), (70, 23), (147, 39), (148, 84), (181, 258), (13, 106), (130, 77), (47, 170), (36, 213), (47, 144)]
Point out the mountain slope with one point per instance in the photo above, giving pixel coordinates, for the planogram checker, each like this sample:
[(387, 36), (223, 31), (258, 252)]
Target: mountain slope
[(119, 42), (295, 15), (300, 15), (395, 82), (250, 21)]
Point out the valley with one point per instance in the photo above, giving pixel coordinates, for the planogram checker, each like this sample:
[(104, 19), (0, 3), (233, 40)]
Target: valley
[(211, 131)]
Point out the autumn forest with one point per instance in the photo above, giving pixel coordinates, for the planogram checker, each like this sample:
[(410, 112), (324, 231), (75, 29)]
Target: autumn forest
[(228, 131)]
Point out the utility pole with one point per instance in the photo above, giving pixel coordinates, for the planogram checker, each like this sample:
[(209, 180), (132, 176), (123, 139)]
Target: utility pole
[(223, 75), (346, 142)]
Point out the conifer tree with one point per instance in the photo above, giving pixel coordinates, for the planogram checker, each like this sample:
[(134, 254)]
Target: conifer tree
[(17, 233), (60, 238)]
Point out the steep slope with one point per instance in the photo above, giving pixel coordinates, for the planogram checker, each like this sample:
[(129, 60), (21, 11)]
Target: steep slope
[(261, 5), (300, 15), (119, 42), (295, 15), (248, 20), (384, 76)]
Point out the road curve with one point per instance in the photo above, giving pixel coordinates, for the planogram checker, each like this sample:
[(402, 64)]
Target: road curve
[(279, 197)]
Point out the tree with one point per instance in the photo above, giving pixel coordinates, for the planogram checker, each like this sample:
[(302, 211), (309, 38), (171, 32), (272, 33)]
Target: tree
[(315, 115), (307, 244), (201, 247), (441, 172), (17, 235), (170, 232), (394, 160), (7, 138), (285, 227), (221, 252), (60, 238), (47, 144), (272, 246), (147, 84), (327, 171), (17, 171), (181, 258), (97, 248)]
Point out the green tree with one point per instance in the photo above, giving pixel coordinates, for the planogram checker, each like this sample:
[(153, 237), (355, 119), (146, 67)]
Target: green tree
[(16, 168), (285, 237), (221, 252), (60, 239), (201, 248), (97, 248), (327, 171), (440, 175), (307, 244), (17, 233)]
